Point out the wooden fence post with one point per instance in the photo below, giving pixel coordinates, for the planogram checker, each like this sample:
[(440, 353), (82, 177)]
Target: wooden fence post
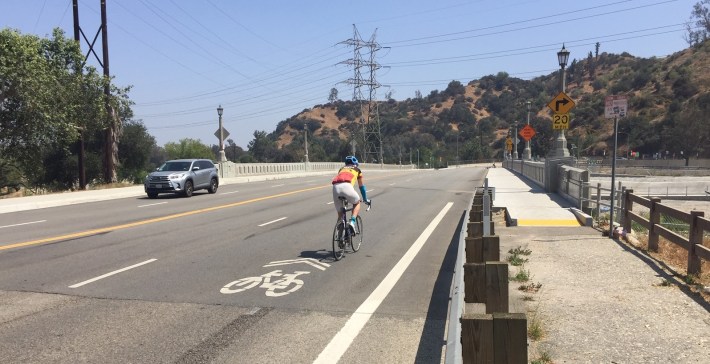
[(474, 282), (655, 219), (510, 338), (496, 287), (477, 338), (628, 206), (695, 238)]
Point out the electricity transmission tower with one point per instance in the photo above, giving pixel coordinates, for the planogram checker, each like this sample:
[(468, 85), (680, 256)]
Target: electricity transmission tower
[(369, 123)]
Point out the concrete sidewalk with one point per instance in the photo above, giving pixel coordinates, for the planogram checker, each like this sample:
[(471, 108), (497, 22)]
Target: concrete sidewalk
[(528, 204)]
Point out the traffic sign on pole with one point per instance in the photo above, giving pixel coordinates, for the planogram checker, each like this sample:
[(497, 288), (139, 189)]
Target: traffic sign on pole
[(561, 104), (527, 132), (615, 106), (560, 121), (225, 133)]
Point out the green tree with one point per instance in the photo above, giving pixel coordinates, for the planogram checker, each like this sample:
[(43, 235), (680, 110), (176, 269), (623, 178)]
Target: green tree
[(262, 148), (134, 151), (188, 148), (46, 98), (698, 27)]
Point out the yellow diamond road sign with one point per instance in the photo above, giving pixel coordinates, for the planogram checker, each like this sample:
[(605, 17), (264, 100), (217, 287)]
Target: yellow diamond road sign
[(561, 104)]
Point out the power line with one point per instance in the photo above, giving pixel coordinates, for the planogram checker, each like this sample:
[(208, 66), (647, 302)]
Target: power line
[(554, 23)]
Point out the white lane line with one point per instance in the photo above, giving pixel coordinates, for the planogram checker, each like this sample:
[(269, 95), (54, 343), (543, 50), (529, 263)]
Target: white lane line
[(271, 222), (228, 193), (342, 340), (24, 223), (278, 185), (111, 273), (392, 184), (330, 203), (153, 204)]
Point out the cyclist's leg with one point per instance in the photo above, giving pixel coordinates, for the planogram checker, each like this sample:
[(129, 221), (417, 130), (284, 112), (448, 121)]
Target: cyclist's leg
[(336, 200)]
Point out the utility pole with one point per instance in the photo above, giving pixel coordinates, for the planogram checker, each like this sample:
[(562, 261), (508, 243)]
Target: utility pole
[(113, 131), (81, 158)]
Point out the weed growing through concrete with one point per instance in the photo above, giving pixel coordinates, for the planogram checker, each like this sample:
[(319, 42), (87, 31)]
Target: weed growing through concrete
[(545, 358), (523, 275), (535, 331), (530, 287), (528, 298), (515, 258)]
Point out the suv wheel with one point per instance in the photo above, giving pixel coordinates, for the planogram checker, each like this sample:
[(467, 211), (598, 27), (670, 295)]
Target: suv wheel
[(188, 189), (152, 195), (213, 186)]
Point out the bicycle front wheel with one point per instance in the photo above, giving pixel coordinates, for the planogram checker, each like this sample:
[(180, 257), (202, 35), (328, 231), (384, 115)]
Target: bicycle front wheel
[(339, 240), (357, 239)]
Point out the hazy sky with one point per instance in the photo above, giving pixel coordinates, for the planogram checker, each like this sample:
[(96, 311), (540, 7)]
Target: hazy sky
[(265, 61)]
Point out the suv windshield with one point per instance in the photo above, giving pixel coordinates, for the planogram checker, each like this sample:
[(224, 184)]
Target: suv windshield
[(175, 167)]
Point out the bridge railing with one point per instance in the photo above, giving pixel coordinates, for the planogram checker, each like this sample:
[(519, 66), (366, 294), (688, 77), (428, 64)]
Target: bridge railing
[(230, 169)]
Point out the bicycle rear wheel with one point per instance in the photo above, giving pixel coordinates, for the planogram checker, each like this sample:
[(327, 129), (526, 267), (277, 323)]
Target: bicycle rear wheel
[(357, 239), (339, 240)]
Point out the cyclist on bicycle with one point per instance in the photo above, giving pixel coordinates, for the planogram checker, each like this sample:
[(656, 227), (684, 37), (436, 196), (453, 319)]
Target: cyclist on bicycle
[(344, 186)]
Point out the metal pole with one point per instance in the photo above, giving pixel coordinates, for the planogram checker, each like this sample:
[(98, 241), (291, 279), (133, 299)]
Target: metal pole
[(526, 152), (515, 142), (613, 177), (561, 141), (222, 157)]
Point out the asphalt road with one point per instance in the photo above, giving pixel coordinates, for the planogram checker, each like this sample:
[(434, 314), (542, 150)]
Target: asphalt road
[(242, 276)]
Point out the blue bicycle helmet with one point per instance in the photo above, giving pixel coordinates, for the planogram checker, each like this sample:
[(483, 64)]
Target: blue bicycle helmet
[(351, 159)]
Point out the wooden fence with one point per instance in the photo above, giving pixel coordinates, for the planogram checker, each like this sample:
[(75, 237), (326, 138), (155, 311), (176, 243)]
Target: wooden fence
[(695, 219), (490, 333)]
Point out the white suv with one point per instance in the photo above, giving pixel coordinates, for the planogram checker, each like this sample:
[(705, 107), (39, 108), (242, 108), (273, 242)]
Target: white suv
[(183, 176)]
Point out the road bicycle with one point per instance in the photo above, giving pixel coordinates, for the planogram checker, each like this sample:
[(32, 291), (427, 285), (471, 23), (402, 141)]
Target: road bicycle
[(343, 234)]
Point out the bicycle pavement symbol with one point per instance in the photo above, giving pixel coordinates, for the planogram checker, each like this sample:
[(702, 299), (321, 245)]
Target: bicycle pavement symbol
[(277, 283)]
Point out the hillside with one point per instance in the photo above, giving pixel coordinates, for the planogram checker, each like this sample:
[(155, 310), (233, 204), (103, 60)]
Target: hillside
[(669, 106)]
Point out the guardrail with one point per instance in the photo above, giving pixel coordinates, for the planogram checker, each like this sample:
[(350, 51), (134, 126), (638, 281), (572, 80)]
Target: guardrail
[(695, 220), (480, 312)]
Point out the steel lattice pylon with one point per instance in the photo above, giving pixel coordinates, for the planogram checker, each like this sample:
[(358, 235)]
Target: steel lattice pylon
[(369, 122)]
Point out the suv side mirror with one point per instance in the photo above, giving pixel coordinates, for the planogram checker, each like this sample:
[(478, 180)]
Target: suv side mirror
[(195, 168)]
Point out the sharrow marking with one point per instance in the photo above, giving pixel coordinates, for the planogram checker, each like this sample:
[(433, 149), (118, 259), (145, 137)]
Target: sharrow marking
[(310, 261)]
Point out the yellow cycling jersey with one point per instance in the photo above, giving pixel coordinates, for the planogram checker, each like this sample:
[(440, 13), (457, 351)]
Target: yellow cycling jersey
[(348, 174)]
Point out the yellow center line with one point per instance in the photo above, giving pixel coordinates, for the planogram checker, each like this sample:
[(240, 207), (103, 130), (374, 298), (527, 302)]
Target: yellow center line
[(149, 221)]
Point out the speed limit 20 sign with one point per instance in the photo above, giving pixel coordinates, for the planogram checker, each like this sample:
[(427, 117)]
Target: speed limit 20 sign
[(560, 121)]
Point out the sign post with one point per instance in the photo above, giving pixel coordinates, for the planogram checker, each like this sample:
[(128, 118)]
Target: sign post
[(614, 107)]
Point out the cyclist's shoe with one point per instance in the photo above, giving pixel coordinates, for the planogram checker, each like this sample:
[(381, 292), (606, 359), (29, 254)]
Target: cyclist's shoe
[(353, 228)]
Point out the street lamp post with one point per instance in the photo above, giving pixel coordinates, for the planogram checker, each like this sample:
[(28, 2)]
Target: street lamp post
[(526, 152), (515, 142), (222, 157), (561, 141), (457, 149)]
